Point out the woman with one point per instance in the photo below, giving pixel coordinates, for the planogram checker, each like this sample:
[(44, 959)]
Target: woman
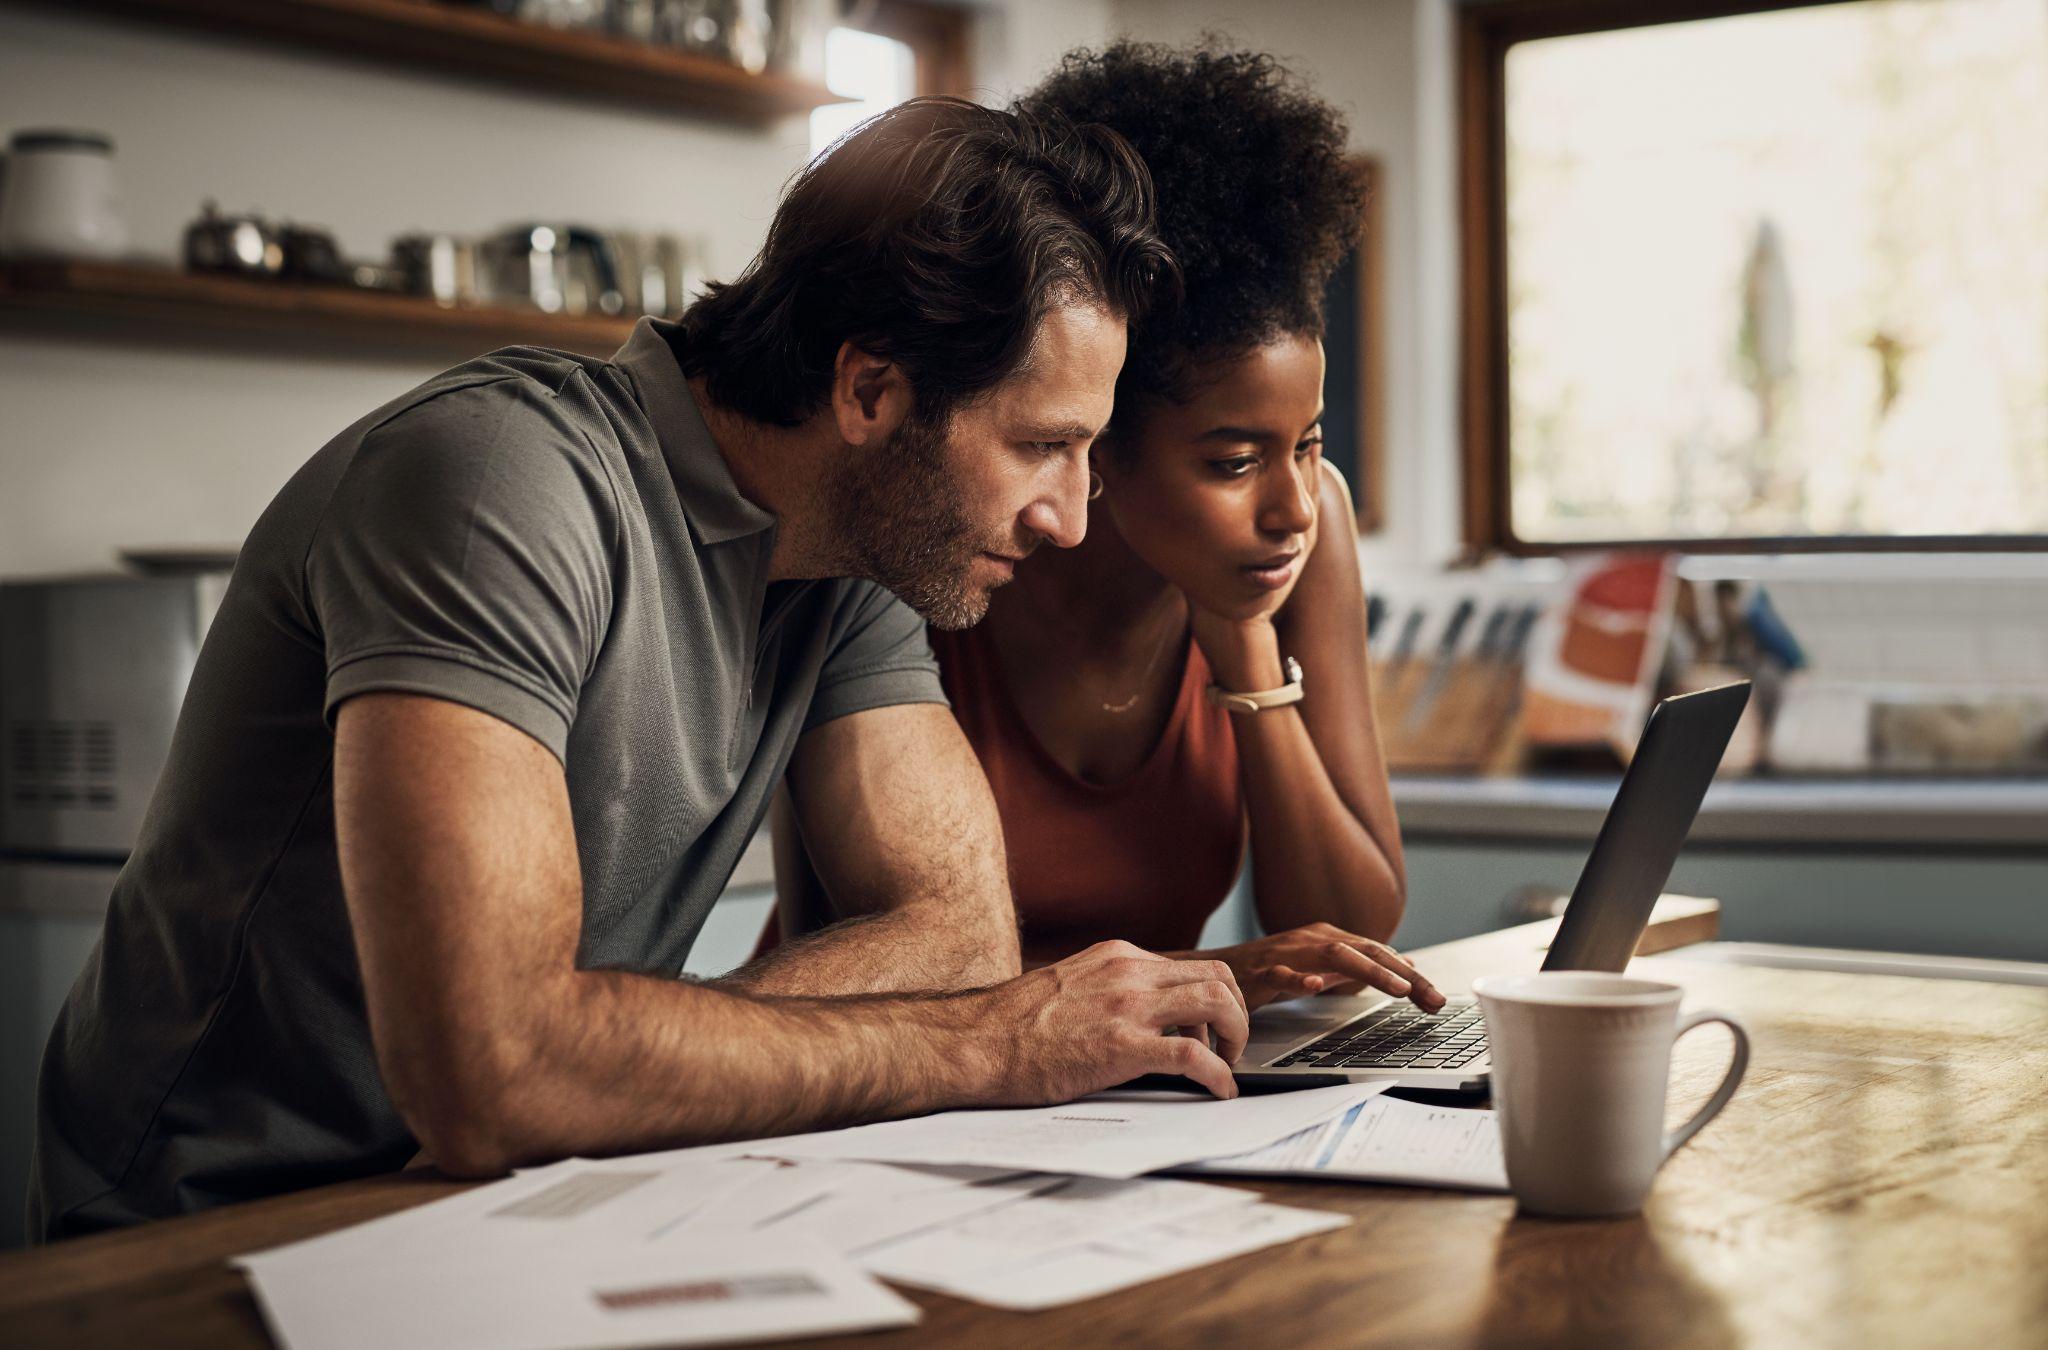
[(1219, 552)]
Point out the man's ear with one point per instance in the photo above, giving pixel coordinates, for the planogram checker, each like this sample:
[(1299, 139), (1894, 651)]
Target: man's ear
[(870, 396)]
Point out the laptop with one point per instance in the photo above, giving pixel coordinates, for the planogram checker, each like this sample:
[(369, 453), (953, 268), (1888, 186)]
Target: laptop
[(1292, 1046)]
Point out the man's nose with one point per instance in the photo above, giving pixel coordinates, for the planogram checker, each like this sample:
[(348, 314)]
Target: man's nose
[(1289, 503), (1060, 512)]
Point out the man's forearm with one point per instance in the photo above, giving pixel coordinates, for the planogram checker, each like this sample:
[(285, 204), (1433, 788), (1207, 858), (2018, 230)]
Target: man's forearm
[(608, 1062), (895, 834), (934, 946), (613, 1062)]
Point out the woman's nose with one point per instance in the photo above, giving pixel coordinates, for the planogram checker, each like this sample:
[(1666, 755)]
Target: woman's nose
[(1289, 504)]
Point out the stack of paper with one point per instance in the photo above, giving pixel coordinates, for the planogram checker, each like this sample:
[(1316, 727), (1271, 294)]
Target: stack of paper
[(784, 1237), (1385, 1140), (1112, 1134), (477, 1294), (575, 1254), (1089, 1236)]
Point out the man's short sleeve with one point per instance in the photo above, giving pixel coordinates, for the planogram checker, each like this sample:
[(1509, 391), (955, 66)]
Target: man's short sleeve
[(880, 657), (465, 555)]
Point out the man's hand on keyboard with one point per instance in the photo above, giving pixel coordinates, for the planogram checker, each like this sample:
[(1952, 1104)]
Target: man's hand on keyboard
[(1320, 958), (1098, 1019)]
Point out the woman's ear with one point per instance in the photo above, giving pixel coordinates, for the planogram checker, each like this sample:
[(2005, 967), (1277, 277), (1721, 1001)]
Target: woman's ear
[(870, 396)]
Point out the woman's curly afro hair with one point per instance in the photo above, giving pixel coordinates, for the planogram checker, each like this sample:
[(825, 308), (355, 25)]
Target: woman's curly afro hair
[(1256, 196)]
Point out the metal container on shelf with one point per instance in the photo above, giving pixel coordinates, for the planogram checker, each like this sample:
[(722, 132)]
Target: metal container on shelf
[(556, 269), (441, 267), (248, 245), (658, 272)]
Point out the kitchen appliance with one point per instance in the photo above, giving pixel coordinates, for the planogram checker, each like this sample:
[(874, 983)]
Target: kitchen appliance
[(61, 198), (92, 673)]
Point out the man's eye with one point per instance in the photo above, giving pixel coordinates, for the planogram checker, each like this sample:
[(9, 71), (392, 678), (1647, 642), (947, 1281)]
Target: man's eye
[(1047, 447)]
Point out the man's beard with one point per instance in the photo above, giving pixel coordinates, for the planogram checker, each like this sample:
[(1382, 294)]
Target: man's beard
[(898, 512)]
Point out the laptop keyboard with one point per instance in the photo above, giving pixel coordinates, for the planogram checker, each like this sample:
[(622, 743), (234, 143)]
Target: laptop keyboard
[(1403, 1037)]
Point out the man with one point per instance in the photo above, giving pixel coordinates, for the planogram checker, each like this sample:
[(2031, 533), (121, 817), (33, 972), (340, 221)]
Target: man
[(509, 670)]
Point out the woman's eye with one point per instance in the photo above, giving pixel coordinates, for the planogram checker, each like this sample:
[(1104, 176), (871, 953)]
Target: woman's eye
[(1310, 443), (1237, 466)]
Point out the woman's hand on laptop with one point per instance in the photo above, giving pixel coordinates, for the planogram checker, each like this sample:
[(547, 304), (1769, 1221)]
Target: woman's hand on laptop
[(1100, 1018), (1321, 958)]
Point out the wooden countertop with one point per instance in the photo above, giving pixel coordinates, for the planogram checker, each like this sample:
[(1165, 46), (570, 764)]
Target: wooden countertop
[(1882, 1178)]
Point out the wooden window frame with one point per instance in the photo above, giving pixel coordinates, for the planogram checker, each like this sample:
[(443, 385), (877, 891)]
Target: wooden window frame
[(1367, 372), (1486, 29)]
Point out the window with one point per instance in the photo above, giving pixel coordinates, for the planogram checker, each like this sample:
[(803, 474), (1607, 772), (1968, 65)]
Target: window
[(1757, 277), (876, 72), (883, 54)]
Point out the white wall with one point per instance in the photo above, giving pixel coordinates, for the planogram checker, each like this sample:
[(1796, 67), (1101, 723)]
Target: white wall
[(106, 443), (1015, 44), (1387, 64)]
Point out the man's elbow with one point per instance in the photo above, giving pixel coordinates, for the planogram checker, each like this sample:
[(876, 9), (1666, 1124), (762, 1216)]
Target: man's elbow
[(990, 953), (1002, 961), (471, 1111), (469, 1147)]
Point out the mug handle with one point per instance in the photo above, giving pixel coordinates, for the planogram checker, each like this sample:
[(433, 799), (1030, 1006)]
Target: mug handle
[(1729, 1082)]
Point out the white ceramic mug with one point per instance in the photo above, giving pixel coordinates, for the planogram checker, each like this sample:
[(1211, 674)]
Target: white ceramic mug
[(1581, 1062)]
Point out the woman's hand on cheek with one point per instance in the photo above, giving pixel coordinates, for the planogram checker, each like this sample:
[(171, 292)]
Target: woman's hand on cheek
[(1243, 653)]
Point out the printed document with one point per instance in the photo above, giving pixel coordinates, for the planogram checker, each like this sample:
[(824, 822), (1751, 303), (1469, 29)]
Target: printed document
[(1179, 1236), (1112, 1134), (1385, 1139), (876, 1203), (487, 1297), (1073, 1213), (573, 1201)]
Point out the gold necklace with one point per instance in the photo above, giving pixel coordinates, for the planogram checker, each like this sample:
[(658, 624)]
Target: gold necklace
[(1145, 678)]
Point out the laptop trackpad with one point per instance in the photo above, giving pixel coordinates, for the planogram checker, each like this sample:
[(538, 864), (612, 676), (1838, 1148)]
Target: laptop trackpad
[(1279, 1026)]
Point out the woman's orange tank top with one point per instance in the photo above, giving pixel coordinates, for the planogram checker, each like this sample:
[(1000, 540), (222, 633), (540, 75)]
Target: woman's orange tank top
[(1147, 859)]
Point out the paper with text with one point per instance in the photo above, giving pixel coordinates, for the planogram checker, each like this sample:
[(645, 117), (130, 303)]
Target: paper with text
[(1130, 1256), (489, 1297), (1389, 1140), (1079, 1211), (1114, 1134)]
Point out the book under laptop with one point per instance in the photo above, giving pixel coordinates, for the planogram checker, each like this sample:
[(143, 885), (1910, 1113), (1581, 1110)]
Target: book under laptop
[(1675, 761)]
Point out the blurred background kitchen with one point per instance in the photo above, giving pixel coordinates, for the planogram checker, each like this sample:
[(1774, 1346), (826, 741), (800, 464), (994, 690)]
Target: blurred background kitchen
[(1687, 341)]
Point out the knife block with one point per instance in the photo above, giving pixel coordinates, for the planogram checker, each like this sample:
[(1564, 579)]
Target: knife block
[(1468, 726)]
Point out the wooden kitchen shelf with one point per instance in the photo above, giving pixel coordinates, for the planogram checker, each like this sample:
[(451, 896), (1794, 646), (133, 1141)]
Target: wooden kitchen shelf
[(158, 302), (472, 41)]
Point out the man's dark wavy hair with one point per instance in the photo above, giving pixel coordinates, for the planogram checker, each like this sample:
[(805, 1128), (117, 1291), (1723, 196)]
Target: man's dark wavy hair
[(935, 235), (1257, 198)]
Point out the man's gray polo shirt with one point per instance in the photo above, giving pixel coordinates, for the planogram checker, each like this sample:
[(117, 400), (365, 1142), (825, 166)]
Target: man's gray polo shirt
[(551, 539)]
